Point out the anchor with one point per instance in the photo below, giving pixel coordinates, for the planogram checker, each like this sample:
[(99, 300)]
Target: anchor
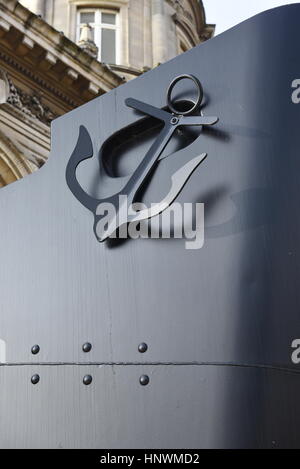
[(123, 200)]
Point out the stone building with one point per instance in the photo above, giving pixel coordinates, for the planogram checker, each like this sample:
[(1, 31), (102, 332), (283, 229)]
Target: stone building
[(57, 54)]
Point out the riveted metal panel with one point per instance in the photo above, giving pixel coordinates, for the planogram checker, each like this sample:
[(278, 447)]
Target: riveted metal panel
[(233, 302), (227, 302), (182, 407)]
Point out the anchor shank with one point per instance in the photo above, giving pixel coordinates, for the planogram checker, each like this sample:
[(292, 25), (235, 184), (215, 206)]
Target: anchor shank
[(145, 167)]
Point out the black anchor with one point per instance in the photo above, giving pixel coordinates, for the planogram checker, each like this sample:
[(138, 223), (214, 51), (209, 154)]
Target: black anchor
[(123, 200)]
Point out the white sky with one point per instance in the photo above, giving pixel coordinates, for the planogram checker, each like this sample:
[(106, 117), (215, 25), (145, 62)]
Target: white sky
[(228, 13)]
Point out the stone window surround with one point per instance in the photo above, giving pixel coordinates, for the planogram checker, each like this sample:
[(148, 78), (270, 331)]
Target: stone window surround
[(121, 6), (98, 25)]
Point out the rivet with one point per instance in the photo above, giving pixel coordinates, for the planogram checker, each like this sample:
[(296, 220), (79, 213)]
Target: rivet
[(144, 380), (143, 347), (35, 379), (35, 349), (174, 120), (87, 380), (87, 347)]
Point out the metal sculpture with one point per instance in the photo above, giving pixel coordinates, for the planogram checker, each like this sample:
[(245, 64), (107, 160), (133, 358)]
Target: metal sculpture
[(126, 197)]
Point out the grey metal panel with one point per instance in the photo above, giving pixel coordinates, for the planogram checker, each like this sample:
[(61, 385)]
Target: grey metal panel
[(182, 407), (235, 300)]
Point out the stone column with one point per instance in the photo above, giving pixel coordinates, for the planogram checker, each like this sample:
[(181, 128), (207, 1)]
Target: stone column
[(148, 54), (159, 32)]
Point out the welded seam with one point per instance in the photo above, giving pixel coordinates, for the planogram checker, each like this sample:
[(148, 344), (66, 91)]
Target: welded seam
[(129, 364)]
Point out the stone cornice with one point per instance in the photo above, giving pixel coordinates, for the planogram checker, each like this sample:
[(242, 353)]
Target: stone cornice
[(100, 3), (6, 58), (49, 53)]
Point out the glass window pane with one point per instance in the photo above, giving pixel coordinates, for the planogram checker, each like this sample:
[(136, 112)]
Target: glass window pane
[(108, 48), (87, 17), (108, 18)]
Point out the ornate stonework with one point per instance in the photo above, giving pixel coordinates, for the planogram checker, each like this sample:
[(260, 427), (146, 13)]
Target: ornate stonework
[(30, 104), (46, 70)]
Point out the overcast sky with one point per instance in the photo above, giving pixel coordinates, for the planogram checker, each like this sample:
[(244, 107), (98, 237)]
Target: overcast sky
[(228, 13)]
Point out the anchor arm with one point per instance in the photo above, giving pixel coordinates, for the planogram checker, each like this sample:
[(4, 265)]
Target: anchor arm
[(179, 180)]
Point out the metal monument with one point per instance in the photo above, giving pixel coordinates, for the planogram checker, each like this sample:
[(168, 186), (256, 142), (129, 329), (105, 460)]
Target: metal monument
[(141, 343), (172, 121)]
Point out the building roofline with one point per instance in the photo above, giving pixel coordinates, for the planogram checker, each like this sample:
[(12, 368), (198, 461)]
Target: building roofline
[(35, 33)]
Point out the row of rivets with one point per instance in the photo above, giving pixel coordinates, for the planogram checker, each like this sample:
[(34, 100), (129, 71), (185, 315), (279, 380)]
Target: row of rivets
[(87, 347), (87, 380)]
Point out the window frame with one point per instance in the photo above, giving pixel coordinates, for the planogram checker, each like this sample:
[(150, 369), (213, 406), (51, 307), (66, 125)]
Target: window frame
[(98, 26)]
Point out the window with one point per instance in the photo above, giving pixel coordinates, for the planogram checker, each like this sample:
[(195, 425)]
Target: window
[(105, 30)]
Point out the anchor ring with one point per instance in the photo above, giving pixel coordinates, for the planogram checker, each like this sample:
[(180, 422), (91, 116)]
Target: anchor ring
[(198, 102)]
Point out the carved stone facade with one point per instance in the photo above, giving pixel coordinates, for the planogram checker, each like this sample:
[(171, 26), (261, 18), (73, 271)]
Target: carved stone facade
[(50, 64), (29, 104)]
